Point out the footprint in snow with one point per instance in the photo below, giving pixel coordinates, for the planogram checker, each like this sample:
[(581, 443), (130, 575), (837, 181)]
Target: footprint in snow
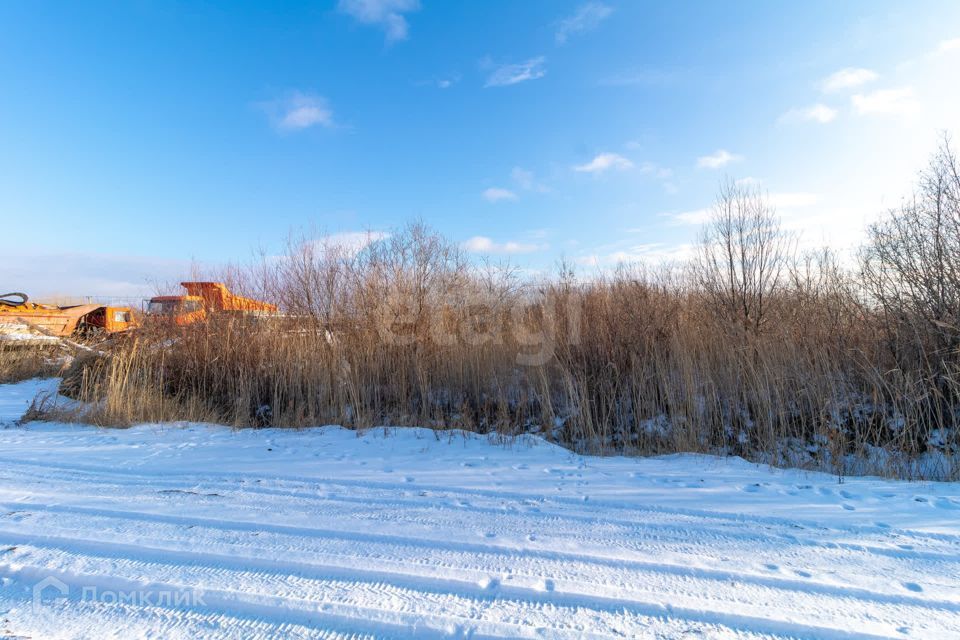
[(912, 586), (408, 479), (488, 583), (547, 585), (771, 567), (803, 574), (848, 507), (947, 503)]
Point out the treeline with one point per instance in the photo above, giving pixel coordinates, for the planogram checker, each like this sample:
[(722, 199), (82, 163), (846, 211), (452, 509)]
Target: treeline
[(750, 348)]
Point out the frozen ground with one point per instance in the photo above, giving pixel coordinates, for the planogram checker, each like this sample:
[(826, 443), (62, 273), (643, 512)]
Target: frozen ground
[(199, 531)]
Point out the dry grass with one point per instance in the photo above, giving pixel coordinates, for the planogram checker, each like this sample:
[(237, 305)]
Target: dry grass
[(634, 362), (751, 349), (20, 362)]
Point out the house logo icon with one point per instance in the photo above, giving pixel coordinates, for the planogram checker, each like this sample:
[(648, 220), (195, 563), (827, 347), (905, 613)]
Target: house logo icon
[(48, 591)]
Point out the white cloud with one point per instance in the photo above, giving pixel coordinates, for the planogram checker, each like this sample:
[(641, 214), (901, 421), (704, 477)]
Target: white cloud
[(586, 18), (793, 200), (522, 177), (886, 102), (718, 159), (661, 174), (527, 180), (508, 74), (483, 244), (815, 113), (748, 181), (604, 161), (655, 170), (847, 78), (496, 194), (386, 14), (106, 277), (695, 217), (298, 111), (786, 200), (948, 45), (654, 253)]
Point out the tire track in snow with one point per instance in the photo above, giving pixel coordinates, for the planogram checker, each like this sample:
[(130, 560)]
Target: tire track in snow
[(598, 505), (509, 556), (347, 596), (590, 514), (634, 534)]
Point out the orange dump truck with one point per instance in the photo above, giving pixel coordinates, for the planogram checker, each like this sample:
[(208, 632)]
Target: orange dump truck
[(20, 317), (204, 299)]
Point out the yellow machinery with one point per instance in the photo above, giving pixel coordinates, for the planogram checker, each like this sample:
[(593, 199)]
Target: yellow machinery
[(19, 316), (204, 299)]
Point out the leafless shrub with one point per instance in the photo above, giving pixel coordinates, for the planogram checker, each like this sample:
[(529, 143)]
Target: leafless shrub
[(754, 351), (743, 255)]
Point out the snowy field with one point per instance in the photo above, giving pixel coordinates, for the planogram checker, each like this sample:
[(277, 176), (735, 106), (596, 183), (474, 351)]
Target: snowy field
[(199, 531)]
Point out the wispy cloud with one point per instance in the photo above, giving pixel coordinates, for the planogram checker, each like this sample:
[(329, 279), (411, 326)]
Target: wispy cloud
[(447, 82), (783, 200), (298, 111), (587, 17), (662, 174), (103, 276), (497, 194), (718, 159), (654, 253), (819, 112), (793, 199), (847, 78), (694, 217), (441, 82), (508, 74), (385, 14), (900, 101), (655, 170), (483, 244), (947, 46), (603, 162), (527, 181)]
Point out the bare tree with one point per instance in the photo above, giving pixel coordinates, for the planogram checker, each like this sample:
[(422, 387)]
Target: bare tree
[(911, 266), (743, 255)]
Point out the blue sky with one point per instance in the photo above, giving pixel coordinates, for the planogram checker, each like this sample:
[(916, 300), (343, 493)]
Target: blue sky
[(138, 136)]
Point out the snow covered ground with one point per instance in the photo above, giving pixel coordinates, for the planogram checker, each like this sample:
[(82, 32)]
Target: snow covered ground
[(199, 531)]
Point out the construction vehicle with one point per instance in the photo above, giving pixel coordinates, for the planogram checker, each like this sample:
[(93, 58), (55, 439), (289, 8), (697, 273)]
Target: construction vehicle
[(205, 299), (21, 319)]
